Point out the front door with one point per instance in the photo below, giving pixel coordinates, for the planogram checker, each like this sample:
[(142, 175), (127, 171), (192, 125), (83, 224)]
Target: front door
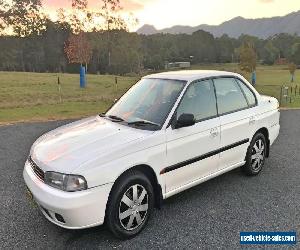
[(192, 152)]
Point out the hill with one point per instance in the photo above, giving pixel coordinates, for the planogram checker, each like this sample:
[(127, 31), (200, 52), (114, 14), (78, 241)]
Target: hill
[(261, 27)]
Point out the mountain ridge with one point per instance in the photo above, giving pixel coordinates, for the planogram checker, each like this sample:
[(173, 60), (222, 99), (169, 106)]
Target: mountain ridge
[(260, 27)]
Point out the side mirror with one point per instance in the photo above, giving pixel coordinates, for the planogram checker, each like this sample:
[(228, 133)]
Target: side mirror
[(185, 120)]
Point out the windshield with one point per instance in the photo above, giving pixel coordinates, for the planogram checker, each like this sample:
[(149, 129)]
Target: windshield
[(147, 103)]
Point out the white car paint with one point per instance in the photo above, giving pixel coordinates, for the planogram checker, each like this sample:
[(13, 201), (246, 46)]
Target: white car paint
[(101, 150)]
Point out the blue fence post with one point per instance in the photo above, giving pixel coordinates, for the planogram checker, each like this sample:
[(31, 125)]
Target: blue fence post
[(82, 77), (253, 78)]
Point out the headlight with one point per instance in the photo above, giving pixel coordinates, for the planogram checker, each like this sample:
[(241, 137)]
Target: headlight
[(65, 182)]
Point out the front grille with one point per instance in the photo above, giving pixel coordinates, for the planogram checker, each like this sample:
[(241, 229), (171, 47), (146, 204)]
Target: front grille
[(38, 172)]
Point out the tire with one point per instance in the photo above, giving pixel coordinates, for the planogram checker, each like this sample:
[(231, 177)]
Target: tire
[(126, 215), (256, 155)]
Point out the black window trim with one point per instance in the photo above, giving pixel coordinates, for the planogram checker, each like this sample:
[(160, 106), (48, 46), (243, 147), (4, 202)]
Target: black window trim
[(212, 78)]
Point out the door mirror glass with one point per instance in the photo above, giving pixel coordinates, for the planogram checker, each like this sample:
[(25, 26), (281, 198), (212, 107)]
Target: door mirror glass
[(185, 120)]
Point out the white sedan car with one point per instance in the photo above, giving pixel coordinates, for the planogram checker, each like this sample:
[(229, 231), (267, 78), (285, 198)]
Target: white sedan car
[(169, 132)]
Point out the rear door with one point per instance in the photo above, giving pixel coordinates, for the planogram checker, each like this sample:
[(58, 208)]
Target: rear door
[(237, 118)]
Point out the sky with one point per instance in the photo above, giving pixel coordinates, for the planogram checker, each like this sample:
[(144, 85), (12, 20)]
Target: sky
[(166, 13)]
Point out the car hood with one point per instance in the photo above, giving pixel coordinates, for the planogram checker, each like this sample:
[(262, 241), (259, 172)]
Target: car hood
[(68, 147)]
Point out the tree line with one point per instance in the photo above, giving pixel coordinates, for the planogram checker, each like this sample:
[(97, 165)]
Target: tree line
[(31, 41)]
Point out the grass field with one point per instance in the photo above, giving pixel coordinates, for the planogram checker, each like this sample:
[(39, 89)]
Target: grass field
[(35, 96)]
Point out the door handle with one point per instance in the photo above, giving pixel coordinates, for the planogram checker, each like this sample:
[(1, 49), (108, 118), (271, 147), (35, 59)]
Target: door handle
[(214, 132), (252, 120)]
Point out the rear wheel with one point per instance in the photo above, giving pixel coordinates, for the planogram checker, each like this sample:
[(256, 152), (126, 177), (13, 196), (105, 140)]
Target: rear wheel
[(130, 205), (256, 155)]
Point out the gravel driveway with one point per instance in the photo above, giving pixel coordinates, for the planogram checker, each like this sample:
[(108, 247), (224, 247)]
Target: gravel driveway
[(208, 216)]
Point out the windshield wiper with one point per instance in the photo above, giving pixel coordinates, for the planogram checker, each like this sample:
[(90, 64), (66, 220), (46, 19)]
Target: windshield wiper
[(114, 118), (143, 122)]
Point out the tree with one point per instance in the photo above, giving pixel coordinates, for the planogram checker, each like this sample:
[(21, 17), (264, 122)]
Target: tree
[(283, 42), (255, 42), (270, 53), (129, 46), (24, 17), (292, 69), (225, 49), (10, 54), (80, 16), (248, 57), (33, 54), (4, 6), (294, 54), (78, 49), (203, 47), (110, 12), (53, 42)]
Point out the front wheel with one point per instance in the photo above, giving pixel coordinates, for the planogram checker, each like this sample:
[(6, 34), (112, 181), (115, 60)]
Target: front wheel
[(256, 155), (130, 205)]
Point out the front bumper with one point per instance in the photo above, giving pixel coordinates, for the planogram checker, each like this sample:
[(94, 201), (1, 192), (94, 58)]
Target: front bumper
[(80, 209)]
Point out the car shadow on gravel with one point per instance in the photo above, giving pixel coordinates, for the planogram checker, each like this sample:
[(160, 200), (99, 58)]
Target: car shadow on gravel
[(101, 236)]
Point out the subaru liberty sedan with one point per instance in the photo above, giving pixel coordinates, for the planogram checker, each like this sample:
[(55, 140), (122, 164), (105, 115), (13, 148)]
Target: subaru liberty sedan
[(169, 132)]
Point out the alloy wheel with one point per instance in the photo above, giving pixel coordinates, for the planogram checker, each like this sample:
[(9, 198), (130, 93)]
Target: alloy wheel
[(133, 207), (258, 155)]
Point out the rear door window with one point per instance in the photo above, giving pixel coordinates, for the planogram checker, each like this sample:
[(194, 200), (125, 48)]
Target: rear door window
[(229, 96), (248, 93)]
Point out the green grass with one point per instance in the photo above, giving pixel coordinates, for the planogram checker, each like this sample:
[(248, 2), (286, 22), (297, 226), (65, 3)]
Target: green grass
[(35, 96)]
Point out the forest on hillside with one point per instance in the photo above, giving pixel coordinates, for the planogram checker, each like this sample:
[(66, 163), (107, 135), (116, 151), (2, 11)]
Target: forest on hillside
[(31, 41)]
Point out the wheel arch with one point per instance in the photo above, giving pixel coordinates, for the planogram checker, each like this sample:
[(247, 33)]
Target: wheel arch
[(265, 132), (149, 172)]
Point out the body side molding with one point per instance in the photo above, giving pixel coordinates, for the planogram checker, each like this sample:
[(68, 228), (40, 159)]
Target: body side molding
[(202, 157)]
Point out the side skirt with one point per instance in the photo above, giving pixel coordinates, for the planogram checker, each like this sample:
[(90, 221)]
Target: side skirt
[(201, 180)]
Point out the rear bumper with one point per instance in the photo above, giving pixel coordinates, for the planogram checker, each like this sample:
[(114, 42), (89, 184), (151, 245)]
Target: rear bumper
[(80, 209)]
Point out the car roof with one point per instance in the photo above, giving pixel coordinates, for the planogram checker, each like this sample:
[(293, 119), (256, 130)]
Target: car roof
[(190, 75)]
